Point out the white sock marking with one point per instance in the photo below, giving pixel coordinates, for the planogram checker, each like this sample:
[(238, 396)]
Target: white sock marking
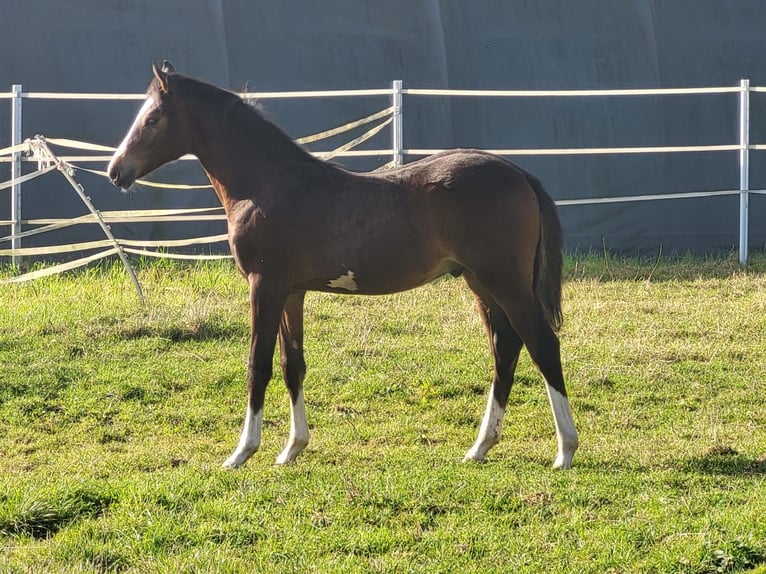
[(249, 441), (489, 433), (566, 433), (299, 431)]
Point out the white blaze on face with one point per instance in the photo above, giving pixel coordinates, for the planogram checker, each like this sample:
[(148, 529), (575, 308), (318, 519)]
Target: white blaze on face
[(148, 105), (346, 281)]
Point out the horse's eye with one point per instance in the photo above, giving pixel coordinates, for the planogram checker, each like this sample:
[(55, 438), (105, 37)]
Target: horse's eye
[(152, 120)]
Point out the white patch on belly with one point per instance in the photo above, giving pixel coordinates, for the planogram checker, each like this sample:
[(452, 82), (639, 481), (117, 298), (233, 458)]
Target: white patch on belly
[(345, 281)]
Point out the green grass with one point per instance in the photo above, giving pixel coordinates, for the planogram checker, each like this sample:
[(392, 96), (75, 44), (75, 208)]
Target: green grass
[(115, 418)]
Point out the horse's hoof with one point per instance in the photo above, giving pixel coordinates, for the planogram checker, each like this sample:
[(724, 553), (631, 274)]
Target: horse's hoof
[(233, 463), (473, 458), (563, 462)]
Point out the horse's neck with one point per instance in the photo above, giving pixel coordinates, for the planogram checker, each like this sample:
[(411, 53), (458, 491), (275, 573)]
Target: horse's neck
[(241, 158)]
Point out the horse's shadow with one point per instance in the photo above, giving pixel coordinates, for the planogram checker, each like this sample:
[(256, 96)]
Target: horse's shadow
[(721, 460), (724, 461)]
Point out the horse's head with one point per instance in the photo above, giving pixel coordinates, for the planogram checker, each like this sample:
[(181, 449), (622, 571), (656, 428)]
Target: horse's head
[(157, 135)]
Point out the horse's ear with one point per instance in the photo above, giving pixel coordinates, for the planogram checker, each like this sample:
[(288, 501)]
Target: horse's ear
[(162, 77), (167, 67)]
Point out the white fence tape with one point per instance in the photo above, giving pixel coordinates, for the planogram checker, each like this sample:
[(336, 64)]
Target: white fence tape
[(60, 268), (594, 150), (148, 183), (75, 144), (14, 149), (88, 245), (572, 93), (24, 178), (346, 127), (661, 196), (166, 255), (354, 142)]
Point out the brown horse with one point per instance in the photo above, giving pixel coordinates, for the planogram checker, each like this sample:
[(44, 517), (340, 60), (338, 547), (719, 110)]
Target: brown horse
[(297, 223)]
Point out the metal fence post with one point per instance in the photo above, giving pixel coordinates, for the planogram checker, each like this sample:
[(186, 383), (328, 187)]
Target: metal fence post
[(397, 131), (16, 171), (744, 168)]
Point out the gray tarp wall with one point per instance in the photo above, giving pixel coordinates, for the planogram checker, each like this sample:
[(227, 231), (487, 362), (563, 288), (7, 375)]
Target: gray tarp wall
[(96, 46)]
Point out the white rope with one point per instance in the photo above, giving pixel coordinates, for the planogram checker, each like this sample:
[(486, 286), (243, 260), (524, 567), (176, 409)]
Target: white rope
[(14, 149), (355, 142), (56, 224), (124, 216), (148, 183), (409, 91), (59, 224), (44, 153), (683, 195), (60, 268), (85, 246), (80, 96), (346, 127), (313, 94), (55, 249), (361, 153), (592, 150), (129, 219), (175, 255), (572, 93), (105, 158), (25, 178), (245, 95), (75, 144), (120, 215), (176, 242)]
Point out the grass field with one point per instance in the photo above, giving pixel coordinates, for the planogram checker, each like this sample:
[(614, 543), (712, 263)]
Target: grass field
[(115, 418)]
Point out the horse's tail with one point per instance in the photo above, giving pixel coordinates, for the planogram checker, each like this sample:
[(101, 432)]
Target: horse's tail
[(549, 257)]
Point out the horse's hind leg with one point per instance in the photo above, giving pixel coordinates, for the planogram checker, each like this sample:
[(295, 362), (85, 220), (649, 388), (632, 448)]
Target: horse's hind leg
[(505, 345), (294, 370), (527, 319)]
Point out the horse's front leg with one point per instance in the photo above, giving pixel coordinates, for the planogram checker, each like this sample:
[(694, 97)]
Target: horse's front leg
[(266, 304), (294, 370)]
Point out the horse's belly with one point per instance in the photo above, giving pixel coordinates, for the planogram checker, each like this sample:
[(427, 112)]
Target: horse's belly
[(380, 280)]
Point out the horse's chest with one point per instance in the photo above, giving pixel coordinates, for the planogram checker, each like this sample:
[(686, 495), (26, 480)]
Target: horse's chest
[(246, 246)]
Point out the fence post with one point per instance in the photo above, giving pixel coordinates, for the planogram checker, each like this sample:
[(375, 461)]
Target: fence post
[(16, 171), (744, 168), (397, 131)]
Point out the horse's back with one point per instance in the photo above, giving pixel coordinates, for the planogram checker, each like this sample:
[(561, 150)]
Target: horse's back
[(473, 186), (461, 167), (482, 208)]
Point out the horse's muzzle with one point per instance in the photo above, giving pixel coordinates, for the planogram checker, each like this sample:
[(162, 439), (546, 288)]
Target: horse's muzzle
[(120, 176)]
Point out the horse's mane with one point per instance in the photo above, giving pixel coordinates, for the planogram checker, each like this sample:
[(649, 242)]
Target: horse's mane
[(248, 119)]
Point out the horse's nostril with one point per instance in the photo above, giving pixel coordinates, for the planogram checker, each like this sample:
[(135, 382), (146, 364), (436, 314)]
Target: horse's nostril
[(114, 174)]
